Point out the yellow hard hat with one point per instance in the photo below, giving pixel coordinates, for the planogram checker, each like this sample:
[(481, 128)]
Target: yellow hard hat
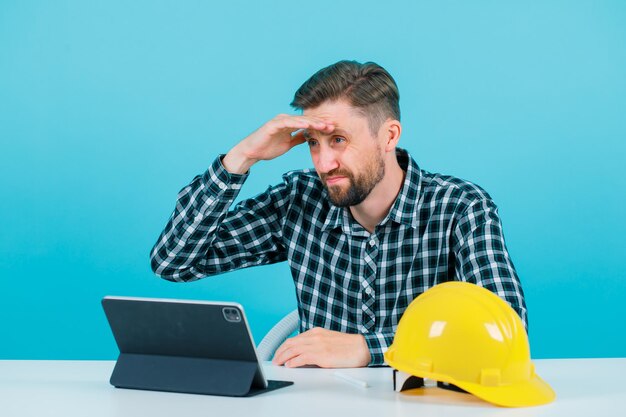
[(463, 334)]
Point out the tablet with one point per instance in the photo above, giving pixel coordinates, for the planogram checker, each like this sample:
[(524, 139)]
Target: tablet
[(197, 347)]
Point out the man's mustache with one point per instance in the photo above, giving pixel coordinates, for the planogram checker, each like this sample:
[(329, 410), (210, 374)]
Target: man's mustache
[(336, 173)]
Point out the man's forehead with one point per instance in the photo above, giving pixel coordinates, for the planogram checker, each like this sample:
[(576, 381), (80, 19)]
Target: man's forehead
[(327, 116)]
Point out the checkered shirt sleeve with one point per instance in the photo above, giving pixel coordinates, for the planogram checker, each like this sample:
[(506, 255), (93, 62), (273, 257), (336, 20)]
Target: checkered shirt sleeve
[(203, 238)]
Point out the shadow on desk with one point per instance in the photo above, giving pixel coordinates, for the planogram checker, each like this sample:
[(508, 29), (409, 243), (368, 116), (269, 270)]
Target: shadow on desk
[(434, 395)]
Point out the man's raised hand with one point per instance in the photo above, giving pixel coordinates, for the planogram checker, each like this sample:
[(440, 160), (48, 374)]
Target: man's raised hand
[(271, 140)]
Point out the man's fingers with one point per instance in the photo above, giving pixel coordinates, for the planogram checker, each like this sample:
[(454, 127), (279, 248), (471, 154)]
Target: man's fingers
[(292, 347), (321, 125), (279, 354), (297, 361), (294, 356), (302, 122), (284, 354)]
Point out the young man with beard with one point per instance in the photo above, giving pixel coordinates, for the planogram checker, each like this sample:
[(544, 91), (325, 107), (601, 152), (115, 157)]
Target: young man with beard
[(364, 233)]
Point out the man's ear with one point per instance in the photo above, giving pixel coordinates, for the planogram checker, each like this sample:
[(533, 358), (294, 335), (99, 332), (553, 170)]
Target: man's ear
[(391, 131)]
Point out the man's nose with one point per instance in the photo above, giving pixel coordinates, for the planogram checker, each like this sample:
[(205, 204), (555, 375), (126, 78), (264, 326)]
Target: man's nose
[(327, 160)]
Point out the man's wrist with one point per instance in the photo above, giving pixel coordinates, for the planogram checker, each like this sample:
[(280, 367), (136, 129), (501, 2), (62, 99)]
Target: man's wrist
[(377, 344), (236, 162), (366, 356)]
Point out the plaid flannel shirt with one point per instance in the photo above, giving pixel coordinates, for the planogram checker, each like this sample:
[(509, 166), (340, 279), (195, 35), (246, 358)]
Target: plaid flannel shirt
[(439, 229)]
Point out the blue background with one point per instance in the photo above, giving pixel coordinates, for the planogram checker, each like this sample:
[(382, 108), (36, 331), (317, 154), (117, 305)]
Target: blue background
[(107, 109)]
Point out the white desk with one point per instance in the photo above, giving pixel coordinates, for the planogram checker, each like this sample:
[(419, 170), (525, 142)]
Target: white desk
[(584, 387)]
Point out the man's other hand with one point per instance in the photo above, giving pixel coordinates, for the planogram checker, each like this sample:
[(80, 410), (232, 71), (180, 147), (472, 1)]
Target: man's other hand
[(324, 348), (271, 140)]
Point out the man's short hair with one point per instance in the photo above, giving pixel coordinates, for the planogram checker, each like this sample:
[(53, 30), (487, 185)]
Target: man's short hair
[(368, 87)]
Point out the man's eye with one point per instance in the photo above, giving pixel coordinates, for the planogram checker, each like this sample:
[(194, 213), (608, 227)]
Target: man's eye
[(312, 142), (339, 139)]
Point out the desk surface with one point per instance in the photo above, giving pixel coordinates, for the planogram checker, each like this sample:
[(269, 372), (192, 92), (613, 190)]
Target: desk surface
[(584, 387)]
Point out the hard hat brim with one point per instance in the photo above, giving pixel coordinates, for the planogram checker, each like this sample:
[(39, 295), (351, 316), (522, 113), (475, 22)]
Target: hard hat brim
[(532, 392), (529, 393)]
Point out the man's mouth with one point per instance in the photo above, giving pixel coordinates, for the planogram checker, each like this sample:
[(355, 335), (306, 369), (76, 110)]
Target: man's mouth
[(334, 180)]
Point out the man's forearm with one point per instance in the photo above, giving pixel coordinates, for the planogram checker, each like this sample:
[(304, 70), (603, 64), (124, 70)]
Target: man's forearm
[(201, 206)]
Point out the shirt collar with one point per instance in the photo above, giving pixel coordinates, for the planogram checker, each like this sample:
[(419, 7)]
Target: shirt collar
[(404, 209), (335, 217)]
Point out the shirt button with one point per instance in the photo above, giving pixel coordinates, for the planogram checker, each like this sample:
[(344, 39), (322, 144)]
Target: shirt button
[(368, 291), (372, 242), (222, 186)]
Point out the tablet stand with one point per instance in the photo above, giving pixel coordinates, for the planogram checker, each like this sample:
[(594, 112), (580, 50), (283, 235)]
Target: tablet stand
[(189, 375)]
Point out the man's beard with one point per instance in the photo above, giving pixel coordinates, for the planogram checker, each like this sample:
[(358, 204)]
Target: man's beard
[(359, 187)]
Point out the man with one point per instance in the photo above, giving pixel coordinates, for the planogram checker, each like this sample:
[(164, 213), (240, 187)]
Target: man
[(364, 233)]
